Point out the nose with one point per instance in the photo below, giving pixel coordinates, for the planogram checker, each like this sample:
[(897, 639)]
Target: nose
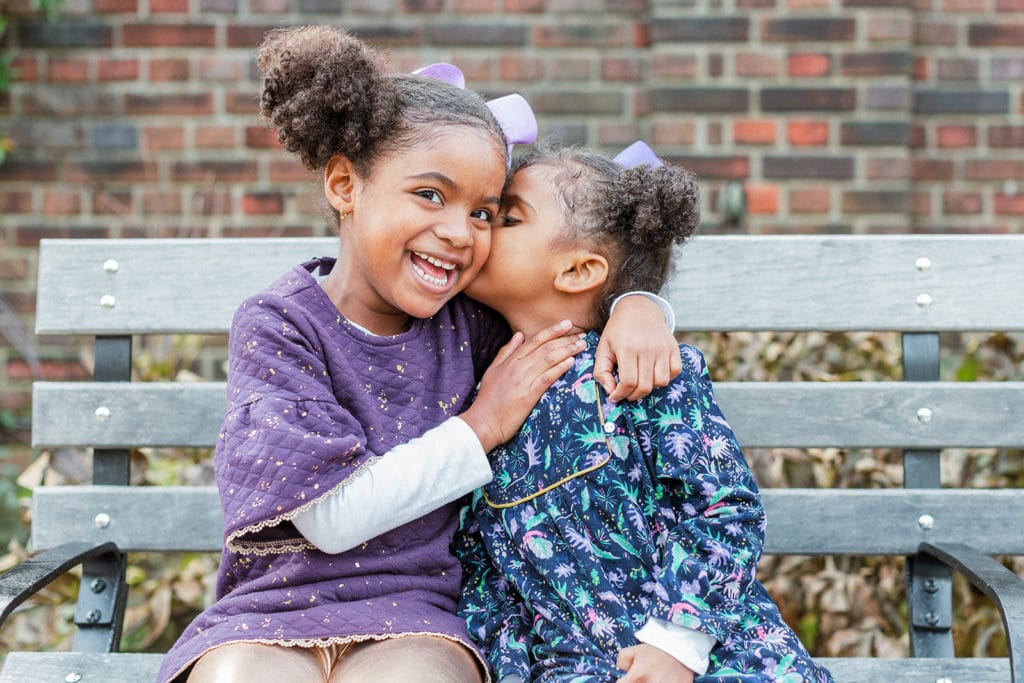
[(455, 229)]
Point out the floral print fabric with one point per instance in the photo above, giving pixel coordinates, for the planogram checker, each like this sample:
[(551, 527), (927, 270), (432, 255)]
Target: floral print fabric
[(602, 516)]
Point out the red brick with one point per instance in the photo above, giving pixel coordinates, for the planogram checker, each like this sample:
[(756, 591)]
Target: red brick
[(809, 64), (674, 66), (753, 64), (810, 200), (806, 133), (933, 169), (221, 69), (14, 201), (116, 6), (961, 203), (617, 134), (216, 137), (621, 69), (163, 137), (168, 6), (1005, 34), (522, 6), (68, 70), (262, 203), (474, 6), (994, 169), (1009, 205), (762, 199), (117, 69), (1006, 136), (24, 69), (161, 202), (578, 35), (261, 137), (214, 171), (112, 203), (887, 168), (14, 268), (515, 67), (168, 70), (212, 203), (957, 136), (974, 6), (61, 203), (673, 132), (898, 29), (753, 132), (289, 170), (169, 35)]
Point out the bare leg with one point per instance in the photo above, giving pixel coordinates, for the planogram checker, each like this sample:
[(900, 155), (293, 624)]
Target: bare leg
[(258, 663), (412, 658)]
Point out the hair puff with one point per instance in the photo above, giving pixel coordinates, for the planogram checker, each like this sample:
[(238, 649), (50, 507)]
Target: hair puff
[(326, 93)]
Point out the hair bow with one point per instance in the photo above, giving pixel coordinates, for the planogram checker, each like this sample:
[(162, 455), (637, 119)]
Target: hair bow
[(638, 154), (512, 112)]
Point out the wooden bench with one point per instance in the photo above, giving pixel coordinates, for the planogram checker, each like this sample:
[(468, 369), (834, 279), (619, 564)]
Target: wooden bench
[(918, 286)]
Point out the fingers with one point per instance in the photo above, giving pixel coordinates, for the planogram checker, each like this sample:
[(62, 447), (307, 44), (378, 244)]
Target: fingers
[(625, 659), (549, 334), (604, 365), (510, 347)]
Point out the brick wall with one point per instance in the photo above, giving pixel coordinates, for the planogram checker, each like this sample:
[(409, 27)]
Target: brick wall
[(138, 117)]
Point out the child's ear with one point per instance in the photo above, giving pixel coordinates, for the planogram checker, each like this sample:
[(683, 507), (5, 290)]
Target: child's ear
[(581, 272), (339, 184)]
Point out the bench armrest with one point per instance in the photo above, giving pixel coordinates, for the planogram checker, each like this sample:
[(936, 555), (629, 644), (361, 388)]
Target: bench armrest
[(1002, 586), (26, 579)]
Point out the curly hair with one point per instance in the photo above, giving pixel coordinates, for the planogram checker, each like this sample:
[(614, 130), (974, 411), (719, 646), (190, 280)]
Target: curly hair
[(634, 217), (328, 93)]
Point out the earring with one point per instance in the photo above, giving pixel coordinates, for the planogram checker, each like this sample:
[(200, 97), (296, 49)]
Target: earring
[(343, 217)]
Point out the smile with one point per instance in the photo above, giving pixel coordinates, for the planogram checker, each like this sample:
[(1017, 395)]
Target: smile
[(432, 269)]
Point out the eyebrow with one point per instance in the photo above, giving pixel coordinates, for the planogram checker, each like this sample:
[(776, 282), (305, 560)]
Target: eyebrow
[(518, 199), (447, 183)]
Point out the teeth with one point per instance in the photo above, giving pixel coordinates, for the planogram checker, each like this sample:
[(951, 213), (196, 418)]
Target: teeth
[(440, 281), (433, 260)]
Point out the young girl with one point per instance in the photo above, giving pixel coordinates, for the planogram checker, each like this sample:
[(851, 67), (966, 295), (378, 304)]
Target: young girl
[(617, 541), (349, 431)]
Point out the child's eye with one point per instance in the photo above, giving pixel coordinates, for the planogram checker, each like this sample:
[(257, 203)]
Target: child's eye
[(431, 195), (509, 220), (483, 215)]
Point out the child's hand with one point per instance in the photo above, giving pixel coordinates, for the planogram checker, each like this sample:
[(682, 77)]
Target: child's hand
[(648, 664), (638, 341), (520, 374)]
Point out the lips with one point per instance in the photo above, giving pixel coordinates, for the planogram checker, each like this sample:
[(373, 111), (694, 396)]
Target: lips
[(433, 270)]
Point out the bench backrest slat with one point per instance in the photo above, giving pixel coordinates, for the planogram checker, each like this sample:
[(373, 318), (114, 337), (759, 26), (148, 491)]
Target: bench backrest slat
[(763, 414), (800, 521), (723, 283)]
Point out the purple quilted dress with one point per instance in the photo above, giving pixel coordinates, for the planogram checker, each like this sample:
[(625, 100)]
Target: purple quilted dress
[(311, 401)]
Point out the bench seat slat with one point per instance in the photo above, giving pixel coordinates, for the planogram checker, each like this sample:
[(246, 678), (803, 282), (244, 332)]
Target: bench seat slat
[(723, 282), (769, 414), (134, 667), (845, 521)]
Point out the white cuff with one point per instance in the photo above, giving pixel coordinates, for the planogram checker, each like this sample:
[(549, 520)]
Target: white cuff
[(666, 308), (404, 484), (691, 648)]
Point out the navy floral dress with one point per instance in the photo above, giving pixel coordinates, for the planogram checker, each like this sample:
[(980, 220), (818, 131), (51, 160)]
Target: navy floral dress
[(602, 516)]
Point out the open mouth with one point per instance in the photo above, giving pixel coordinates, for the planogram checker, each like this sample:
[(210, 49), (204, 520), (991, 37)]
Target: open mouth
[(434, 271)]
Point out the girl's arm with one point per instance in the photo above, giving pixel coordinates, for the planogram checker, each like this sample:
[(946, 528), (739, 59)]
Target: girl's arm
[(495, 616), (638, 341), (447, 461), (710, 517)]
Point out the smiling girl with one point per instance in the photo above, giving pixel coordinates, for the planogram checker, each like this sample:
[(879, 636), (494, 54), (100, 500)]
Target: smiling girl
[(349, 430)]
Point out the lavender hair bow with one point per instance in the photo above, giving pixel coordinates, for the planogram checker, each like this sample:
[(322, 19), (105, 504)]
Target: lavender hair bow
[(638, 154), (512, 112)]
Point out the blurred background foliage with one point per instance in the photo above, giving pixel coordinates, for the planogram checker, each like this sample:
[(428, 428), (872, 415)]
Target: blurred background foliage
[(839, 605)]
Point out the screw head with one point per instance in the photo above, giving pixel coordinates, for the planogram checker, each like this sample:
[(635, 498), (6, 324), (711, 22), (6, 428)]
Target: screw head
[(110, 266), (926, 522), (924, 300), (108, 301), (924, 415), (98, 585), (73, 677), (102, 413), (922, 263), (102, 520)]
